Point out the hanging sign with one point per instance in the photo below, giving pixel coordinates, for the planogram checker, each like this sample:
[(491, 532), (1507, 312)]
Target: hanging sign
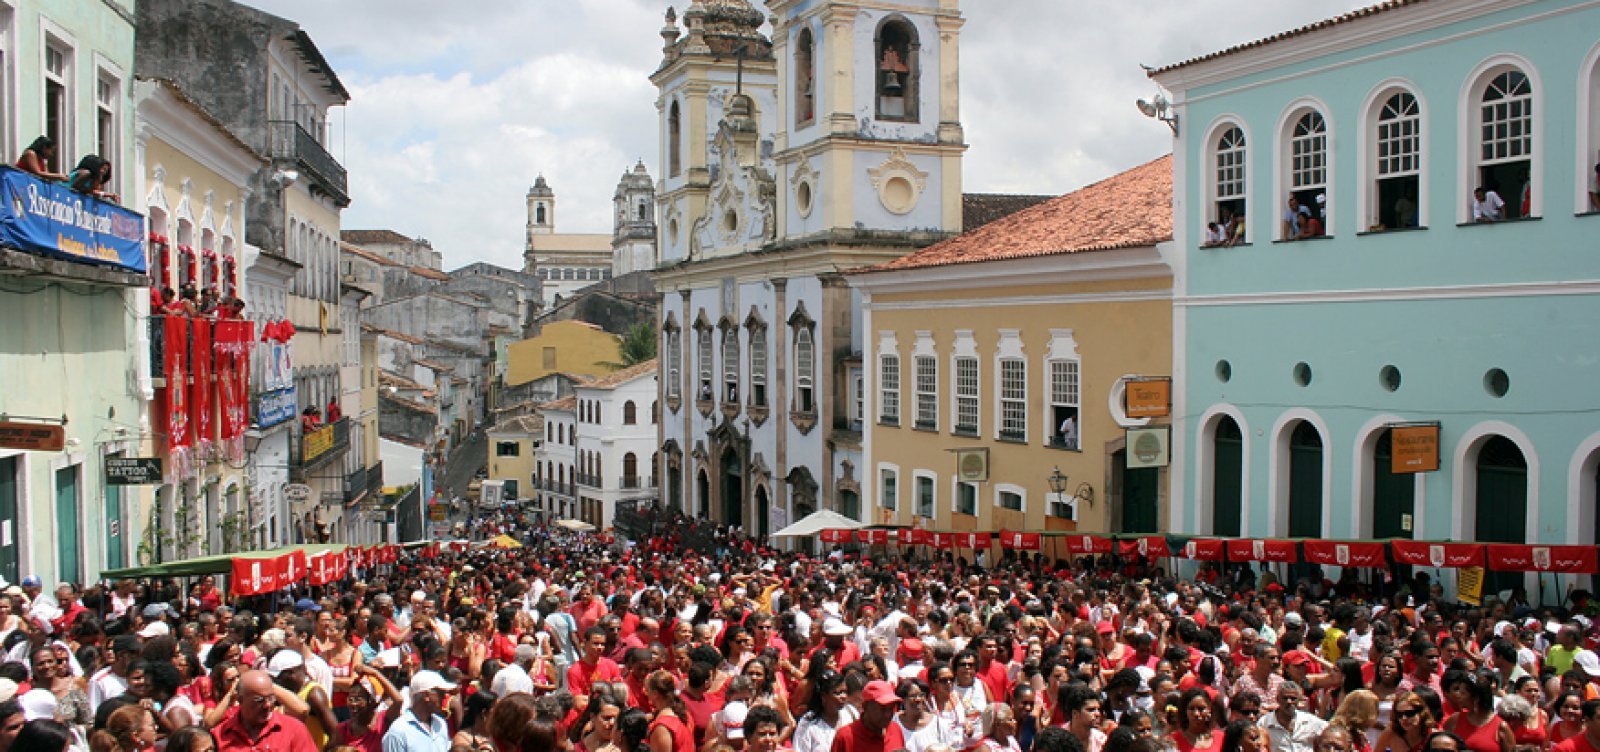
[(50, 219), (1516, 557), (1146, 546), (872, 537), (972, 465), (1469, 586), (835, 536), (915, 537), (36, 437), (1088, 544), (133, 471), (1203, 549), (1147, 447), (976, 541), (1147, 398), (1415, 448), (943, 541)]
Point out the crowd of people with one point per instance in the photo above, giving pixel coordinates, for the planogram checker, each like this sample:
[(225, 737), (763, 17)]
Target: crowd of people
[(589, 643)]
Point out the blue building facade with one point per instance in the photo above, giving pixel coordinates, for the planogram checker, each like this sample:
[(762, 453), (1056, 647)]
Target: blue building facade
[(1302, 340)]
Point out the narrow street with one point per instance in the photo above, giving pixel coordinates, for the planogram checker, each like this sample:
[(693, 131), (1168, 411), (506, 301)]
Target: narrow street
[(468, 458)]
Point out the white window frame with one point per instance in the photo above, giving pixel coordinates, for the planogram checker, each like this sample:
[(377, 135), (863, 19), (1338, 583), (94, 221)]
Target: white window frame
[(858, 398), (674, 360), (56, 39), (925, 383), (917, 477), (888, 389), (707, 370), (1286, 179), (1008, 488), (1238, 163), (805, 368), (1588, 140), (956, 485), (1009, 352), (1469, 125), (888, 472), (1372, 151), (964, 393), (730, 364), (758, 364), (1072, 371), (109, 75)]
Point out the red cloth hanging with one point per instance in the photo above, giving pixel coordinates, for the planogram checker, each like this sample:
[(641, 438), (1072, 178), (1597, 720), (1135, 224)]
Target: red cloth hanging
[(1364, 555)]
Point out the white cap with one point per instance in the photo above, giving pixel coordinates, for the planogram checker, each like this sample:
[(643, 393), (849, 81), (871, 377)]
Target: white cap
[(39, 703), (1588, 661), (155, 629), (733, 715), (835, 628), (8, 689), (427, 681), (1293, 618), (284, 660)]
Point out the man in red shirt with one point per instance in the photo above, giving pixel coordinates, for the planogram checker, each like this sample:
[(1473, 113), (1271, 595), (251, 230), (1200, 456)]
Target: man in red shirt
[(593, 667), (1589, 740), (878, 705), (845, 652), (257, 727), (990, 671)]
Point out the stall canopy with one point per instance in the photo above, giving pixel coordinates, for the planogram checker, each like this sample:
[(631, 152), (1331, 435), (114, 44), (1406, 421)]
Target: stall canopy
[(817, 522), (577, 526), (218, 564)]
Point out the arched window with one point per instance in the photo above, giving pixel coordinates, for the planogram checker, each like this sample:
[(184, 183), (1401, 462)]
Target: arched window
[(674, 352), (804, 371), (730, 363), (1228, 187), (629, 414), (630, 470), (895, 73), (1505, 140), (1307, 161), (804, 77), (674, 139), (538, 214), (1397, 163), (758, 363)]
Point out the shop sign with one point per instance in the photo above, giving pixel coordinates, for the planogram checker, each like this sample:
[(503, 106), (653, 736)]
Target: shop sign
[(37, 437), (1148, 447), (1415, 448), (276, 407), (1147, 398), (133, 471)]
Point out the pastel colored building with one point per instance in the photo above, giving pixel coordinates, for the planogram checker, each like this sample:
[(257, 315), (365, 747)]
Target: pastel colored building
[(1299, 346)]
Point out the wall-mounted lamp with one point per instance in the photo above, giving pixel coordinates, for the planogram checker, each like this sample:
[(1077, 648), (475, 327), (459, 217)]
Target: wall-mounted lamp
[(1160, 109)]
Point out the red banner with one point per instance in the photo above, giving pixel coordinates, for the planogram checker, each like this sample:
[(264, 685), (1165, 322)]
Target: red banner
[(200, 390), (321, 568), (1256, 549), (1020, 541), (1516, 557), (1427, 554), (254, 576), (1088, 544), (872, 537), (175, 341), (1345, 554), (974, 541), (835, 536), (1204, 549), (1146, 546), (233, 342), (943, 541), (915, 537), (391, 554)]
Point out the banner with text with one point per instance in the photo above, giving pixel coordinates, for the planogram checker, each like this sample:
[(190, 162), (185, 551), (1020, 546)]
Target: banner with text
[(51, 219)]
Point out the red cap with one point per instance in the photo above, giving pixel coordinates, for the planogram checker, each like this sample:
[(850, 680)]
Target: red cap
[(880, 692), (1106, 627), (911, 647), (1297, 657)]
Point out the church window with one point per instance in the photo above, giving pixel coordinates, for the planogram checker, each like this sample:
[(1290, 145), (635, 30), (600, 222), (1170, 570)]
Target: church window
[(730, 364), (538, 214), (804, 367), (758, 364), (895, 70), (804, 78), (674, 139)]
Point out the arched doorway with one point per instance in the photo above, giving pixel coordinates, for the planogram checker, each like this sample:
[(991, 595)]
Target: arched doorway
[(1227, 478), (1393, 494), (703, 494), (763, 512), (732, 489), (675, 487), (1305, 481), (1501, 506)]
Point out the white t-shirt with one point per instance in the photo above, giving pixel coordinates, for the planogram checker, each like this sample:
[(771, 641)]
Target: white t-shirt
[(813, 734), (1491, 207)]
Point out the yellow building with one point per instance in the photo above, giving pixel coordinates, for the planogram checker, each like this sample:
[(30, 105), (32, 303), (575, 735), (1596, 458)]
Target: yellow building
[(572, 347), (511, 448), (1007, 349)]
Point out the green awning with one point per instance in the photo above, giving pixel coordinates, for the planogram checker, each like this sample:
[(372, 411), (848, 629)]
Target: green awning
[(215, 564)]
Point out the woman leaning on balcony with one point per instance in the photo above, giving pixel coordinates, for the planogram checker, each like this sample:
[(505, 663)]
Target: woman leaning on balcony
[(35, 159)]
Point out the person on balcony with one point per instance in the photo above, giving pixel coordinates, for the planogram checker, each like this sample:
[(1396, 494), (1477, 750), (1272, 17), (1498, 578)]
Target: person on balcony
[(333, 412), (91, 177), (35, 159), (310, 419)]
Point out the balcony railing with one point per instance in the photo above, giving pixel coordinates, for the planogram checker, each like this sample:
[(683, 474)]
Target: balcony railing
[(375, 477), (290, 141), (629, 482), (355, 484), (317, 448), (592, 481)]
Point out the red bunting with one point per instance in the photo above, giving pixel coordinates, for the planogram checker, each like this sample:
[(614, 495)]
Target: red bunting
[(1146, 546), (1345, 554), (1088, 544), (1427, 554), (836, 536), (1255, 549), (254, 576), (915, 537), (872, 537), (943, 541), (1516, 557), (175, 342), (1019, 541), (233, 342), (1204, 549), (975, 541), (200, 389)]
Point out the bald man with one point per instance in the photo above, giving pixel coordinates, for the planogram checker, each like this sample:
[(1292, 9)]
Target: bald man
[(258, 725)]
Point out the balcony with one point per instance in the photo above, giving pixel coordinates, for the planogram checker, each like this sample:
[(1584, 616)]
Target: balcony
[(375, 477), (319, 447), (592, 481), (60, 233), (636, 482), (355, 485), (290, 141)]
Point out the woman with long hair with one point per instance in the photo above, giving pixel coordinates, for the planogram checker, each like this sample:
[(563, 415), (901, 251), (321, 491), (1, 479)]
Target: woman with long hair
[(823, 716), (474, 733), (1475, 721), (131, 728), (1387, 672), (1244, 736), (191, 739), (669, 726), (36, 159), (596, 729), (762, 672), (1535, 730), (1196, 723), (341, 657), (1409, 728), (1358, 714)]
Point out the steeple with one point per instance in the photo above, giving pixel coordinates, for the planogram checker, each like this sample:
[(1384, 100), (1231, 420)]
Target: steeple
[(541, 208)]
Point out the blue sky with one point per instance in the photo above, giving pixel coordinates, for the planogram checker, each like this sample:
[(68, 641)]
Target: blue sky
[(456, 107)]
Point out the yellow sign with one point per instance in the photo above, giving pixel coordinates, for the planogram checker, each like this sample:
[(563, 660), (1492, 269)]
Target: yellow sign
[(438, 512), (316, 443), (1469, 585), (1148, 398), (1415, 448)]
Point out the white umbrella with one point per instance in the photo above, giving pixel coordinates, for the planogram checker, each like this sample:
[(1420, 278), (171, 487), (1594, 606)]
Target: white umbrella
[(817, 522), (577, 526)]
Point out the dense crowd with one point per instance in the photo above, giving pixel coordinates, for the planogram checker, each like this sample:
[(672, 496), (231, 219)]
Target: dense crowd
[(581, 642)]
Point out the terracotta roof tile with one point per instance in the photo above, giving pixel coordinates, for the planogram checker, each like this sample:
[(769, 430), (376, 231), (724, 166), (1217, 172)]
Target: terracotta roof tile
[(356, 250), (426, 273), (529, 424), (618, 378), (435, 365), (565, 403), (372, 236), (1343, 18), (1132, 208), (979, 209), (409, 404), (406, 338)]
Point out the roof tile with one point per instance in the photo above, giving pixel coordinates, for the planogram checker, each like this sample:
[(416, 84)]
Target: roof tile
[(1342, 18), (618, 378)]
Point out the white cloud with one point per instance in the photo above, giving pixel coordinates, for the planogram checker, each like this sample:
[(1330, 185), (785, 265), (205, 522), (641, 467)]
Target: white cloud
[(456, 107)]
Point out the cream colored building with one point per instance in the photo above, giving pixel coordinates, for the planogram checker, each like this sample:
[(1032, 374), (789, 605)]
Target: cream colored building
[(1015, 343), (512, 444)]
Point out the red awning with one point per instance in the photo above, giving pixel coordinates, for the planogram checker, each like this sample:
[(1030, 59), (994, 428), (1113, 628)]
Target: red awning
[(1019, 541), (1516, 557), (1257, 549), (1367, 555), (943, 541), (1147, 546), (1428, 554), (1088, 544), (1204, 549), (872, 537), (975, 541)]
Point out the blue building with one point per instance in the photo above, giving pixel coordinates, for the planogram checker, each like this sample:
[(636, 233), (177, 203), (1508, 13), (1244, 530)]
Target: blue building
[(1306, 334)]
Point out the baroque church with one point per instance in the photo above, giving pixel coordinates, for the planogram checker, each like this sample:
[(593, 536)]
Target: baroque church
[(791, 153), (568, 262)]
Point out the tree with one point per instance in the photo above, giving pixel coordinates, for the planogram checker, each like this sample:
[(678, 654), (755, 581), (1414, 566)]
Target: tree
[(639, 344)]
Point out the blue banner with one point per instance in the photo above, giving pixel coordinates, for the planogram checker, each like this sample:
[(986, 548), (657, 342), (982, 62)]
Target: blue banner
[(276, 407), (50, 219)]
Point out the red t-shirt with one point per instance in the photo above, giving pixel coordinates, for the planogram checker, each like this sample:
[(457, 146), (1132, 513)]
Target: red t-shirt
[(581, 676), (1579, 743), (701, 710), (994, 677), (372, 741), (282, 734), (856, 737)]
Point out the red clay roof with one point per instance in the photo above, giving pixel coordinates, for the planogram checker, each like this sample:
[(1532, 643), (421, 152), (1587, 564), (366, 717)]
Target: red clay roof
[(618, 378), (423, 271), (360, 237), (564, 404), (1130, 209), (357, 250), (1343, 18)]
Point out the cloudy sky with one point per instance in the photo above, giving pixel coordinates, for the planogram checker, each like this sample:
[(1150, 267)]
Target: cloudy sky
[(457, 106)]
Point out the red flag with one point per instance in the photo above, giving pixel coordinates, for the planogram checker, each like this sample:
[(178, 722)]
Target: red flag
[(320, 568), (200, 390), (915, 537), (1345, 554), (1428, 554), (1088, 544), (1204, 549), (1256, 549), (255, 576), (943, 541), (872, 537), (1019, 541), (1517, 557), (1146, 546), (176, 355)]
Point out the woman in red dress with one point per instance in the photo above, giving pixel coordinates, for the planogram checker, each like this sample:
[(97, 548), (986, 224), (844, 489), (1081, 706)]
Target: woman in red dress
[(1199, 732), (1479, 728), (669, 727)]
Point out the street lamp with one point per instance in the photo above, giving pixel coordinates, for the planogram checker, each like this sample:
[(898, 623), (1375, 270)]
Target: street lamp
[(1058, 482)]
